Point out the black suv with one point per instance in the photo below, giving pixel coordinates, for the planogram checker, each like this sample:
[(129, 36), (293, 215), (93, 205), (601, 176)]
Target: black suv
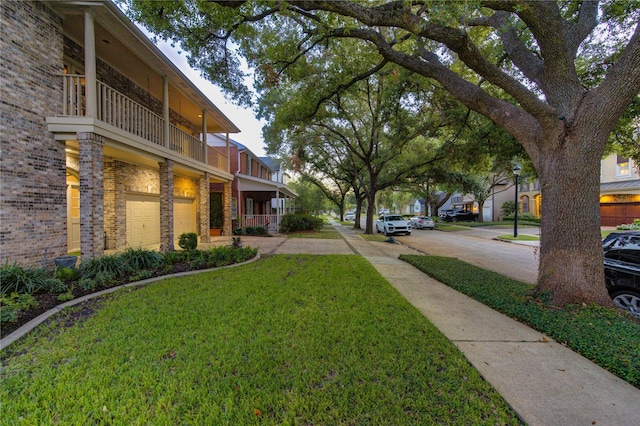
[(622, 269), (459, 216)]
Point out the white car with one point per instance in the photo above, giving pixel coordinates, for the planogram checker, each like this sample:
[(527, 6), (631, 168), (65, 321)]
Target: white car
[(422, 222), (350, 217), (390, 224)]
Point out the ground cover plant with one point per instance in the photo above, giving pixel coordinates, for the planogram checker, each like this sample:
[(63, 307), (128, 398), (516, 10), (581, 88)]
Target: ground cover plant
[(25, 293), (289, 339), (608, 337)]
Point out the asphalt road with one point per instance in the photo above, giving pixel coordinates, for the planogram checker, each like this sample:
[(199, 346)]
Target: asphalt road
[(478, 247)]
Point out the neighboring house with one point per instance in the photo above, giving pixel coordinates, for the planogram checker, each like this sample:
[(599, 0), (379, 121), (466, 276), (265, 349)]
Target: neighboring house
[(619, 192), (101, 136), (260, 195)]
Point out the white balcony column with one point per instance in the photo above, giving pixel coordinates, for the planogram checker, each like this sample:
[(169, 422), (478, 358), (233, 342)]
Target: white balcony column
[(165, 112), (90, 66), (204, 136), (229, 154), (278, 210)]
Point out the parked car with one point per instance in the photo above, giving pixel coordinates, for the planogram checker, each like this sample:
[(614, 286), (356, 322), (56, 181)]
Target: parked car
[(390, 224), (460, 216), (350, 217), (422, 222), (622, 269)]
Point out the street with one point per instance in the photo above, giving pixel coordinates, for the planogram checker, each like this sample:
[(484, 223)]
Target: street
[(477, 246)]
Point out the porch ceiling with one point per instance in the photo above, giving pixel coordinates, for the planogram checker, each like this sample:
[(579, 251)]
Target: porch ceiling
[(250, 183)]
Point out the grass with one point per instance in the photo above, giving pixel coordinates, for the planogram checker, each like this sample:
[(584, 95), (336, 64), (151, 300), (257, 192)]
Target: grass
[(520, 237), (608, 337), (327, 232), (285, 340), (374, 237)]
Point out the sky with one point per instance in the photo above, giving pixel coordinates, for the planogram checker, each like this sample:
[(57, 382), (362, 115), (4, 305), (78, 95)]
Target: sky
[(250, 127)]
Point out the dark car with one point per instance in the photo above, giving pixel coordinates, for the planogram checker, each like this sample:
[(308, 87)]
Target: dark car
[(622, 269), (460, 216)]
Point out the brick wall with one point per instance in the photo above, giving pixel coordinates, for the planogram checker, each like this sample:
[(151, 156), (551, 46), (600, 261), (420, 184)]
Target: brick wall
[(32, 164)]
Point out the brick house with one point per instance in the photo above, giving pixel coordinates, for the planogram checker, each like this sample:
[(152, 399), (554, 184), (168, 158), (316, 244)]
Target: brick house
[(102, 144), (259, 192)]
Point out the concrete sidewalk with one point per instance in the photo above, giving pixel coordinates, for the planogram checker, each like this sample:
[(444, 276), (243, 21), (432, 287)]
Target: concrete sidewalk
[(544, 382)]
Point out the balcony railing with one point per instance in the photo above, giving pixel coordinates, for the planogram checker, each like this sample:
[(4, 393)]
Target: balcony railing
[(126, 114)]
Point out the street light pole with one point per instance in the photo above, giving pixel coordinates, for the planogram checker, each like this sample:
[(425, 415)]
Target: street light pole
[(516, 172)]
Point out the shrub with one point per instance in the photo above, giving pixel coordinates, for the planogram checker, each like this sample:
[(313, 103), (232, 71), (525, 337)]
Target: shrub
[(66, 274), (140, 258), (629, 226), (115, 266), (508, 208), (15, 278), (297, 222), (524, 217), (174, 256), (54, 285), (188, 241)]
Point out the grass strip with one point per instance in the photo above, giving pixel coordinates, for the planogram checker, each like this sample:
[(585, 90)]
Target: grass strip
[(294, 339), (520, 237), (608, 337), (327, 232)]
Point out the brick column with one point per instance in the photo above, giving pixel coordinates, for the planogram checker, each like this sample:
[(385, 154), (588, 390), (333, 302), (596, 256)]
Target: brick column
[(91, 195), (166, 206), (203, 208), (226, 205)]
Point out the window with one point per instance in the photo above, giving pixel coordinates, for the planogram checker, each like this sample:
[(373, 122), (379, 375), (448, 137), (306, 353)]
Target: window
[(622, 166)]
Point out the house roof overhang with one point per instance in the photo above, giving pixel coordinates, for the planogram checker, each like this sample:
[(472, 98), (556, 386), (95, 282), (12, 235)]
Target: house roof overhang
[(251, 183), (621, 187)]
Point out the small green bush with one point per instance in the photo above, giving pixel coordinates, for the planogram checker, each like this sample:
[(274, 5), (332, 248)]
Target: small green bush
[(87, 284), (629, 226), (115, 266), (188, 241), (173, 257), (16, 279), (66, 274), (298, 222), (54, 285), (141, 258), (524, 217)]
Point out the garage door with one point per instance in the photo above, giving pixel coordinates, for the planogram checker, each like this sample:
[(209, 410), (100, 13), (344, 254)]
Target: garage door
[(184, 217), (614, 214), (143, 220)]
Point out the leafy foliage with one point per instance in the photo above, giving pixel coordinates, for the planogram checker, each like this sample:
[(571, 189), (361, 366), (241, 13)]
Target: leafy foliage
[(188, 241), (15, 278), (111, 265), (297, 222)]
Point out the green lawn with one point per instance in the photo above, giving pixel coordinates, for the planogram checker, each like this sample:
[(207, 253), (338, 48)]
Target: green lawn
[(327, 232), (285, 340)]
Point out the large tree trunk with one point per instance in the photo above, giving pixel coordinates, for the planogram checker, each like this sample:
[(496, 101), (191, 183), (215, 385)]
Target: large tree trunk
[(571, 256), (371, 200)]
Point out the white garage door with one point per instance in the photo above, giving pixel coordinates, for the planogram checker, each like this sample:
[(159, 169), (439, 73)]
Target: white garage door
[(184, 217), (143, 220)]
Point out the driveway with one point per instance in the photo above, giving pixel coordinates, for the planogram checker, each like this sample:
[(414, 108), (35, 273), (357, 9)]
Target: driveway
[(477, 246)]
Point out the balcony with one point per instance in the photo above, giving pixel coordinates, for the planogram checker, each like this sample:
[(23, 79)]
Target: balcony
[(122, 112)]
